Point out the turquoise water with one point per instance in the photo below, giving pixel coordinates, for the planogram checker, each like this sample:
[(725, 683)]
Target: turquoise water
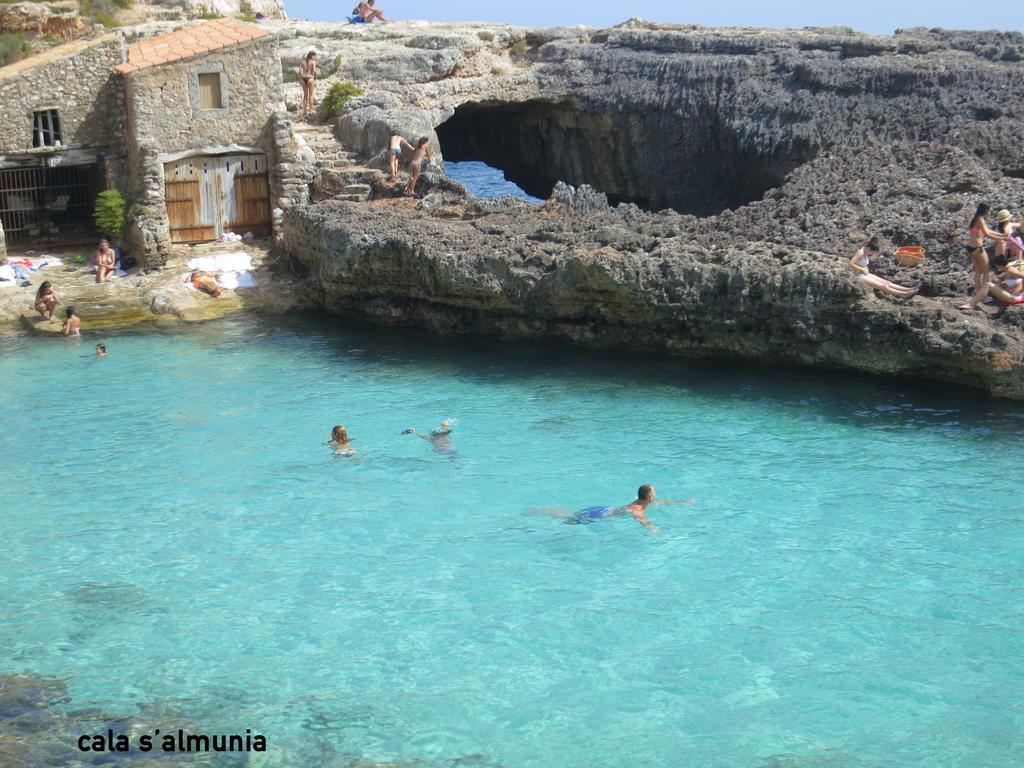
[(846, 592), (483, 180)]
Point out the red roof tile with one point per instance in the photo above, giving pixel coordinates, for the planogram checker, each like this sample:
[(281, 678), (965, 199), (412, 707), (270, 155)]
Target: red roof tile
[(186, 43)]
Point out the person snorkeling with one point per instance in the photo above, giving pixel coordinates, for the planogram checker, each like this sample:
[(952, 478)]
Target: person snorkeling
[(440, 438)]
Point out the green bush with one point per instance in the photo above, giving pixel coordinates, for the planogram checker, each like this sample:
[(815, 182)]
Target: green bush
[(487, 37), (109, 214), (247, 18), (102, 11), (520, 47), (337, 97), (13, 46), (206, 13)]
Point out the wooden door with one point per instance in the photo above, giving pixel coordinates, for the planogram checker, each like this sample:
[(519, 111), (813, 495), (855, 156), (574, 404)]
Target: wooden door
[(208, 196), (190, 208)]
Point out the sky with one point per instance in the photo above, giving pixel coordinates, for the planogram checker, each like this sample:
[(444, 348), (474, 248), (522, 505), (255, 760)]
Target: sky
[(875, 16)]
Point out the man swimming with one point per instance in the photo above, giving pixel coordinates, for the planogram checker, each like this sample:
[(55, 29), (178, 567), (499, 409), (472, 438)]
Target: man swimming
[(439, 437), (645, 497)]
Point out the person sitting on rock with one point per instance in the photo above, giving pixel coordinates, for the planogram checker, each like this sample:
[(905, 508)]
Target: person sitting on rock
[(367, 12), (72, 325), (395, 144), (307, 79), (46, 300), (1006, 226), (859, 262), (1008, 286), (106, 260), (205, 282), (421, 152)]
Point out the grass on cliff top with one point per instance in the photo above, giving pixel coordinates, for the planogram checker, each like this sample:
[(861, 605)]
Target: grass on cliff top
[(103, 11), (13, 46)]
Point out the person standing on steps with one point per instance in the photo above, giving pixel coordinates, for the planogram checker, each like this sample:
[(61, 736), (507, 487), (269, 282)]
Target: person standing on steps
[(395, 145), (421, 152), (307, 78)]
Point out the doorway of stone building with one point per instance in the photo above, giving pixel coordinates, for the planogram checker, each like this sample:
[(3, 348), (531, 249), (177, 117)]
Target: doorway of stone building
[(210, 195)]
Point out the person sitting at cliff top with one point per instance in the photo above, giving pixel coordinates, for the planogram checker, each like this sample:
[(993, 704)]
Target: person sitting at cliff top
[(106, 259), (395, 144), (366, 12), (859, 262), (416, 165)]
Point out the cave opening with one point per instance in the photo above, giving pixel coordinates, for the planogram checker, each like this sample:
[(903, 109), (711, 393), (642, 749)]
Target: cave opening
[(694, 164)]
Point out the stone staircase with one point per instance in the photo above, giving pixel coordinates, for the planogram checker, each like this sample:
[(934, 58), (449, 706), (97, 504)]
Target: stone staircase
[(339, 176)]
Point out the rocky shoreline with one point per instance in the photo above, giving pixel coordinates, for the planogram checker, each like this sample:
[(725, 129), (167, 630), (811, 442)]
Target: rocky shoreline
[(783, 151)]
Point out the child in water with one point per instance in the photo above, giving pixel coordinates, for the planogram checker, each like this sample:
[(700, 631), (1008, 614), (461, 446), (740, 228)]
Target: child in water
[(101, 350)]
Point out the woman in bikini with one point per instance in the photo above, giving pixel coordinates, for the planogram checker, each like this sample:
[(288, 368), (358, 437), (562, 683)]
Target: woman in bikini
[(860, 261), (307, 77), (72, 326), (1008, 286), (205, 282), (976, 234), (395, 144), (416, 165), (46, 300), (105, 261)]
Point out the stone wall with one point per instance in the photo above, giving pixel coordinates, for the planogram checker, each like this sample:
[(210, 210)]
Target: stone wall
[(164, 107), (81, 86), (293, 169)]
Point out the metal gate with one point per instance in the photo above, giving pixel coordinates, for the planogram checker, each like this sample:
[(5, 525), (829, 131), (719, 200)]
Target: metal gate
[(208, 196), (49, 206)]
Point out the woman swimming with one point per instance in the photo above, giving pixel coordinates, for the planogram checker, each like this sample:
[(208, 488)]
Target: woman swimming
[(976, 234), (46, 300), (860, 261), (341, 441)]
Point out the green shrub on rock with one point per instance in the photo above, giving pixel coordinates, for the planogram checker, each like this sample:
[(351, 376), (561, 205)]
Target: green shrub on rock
[(337, 97), (109, 213)]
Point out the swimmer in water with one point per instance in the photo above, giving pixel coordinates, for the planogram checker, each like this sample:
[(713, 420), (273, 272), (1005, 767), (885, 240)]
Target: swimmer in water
[(439, 438), (101, 350), (342, 442), (637, 509)]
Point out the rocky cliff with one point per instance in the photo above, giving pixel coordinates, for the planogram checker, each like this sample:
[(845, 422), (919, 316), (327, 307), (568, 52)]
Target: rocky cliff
[(781, 152)]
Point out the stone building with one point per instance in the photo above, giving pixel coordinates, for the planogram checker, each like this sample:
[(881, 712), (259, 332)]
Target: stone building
[(190, 127)]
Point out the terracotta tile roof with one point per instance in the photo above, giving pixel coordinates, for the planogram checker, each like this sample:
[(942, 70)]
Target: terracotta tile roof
[(189, 42)]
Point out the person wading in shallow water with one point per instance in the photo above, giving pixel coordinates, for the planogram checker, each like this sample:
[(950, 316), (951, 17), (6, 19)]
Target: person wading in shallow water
[(637, 509)]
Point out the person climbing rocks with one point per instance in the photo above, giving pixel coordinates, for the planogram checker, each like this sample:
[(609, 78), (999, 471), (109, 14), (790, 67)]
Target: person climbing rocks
[(421, 152), (395, 144), (860, 261)]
